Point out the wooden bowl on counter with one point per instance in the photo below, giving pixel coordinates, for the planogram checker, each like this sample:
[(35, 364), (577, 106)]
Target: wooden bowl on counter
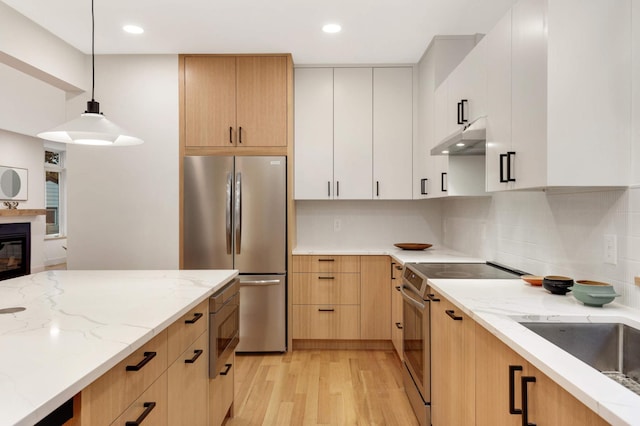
[(534, 280), (412, 246)]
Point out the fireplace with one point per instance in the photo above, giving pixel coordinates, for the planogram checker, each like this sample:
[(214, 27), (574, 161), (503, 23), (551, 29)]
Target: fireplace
[(15, 250)]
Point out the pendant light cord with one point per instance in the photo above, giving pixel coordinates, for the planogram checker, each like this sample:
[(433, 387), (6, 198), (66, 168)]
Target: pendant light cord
[(93, 56)]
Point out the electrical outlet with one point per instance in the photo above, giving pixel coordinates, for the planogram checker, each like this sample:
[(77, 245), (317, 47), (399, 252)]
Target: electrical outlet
[(610, 249), (637, 281), (337, 224)]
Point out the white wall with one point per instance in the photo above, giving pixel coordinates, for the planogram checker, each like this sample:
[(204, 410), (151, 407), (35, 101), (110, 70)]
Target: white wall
[(28, 153), (366, 224), (123, 202)]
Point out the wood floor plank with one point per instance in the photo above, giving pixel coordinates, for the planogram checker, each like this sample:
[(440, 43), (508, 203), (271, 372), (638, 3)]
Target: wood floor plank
[(321, 387)]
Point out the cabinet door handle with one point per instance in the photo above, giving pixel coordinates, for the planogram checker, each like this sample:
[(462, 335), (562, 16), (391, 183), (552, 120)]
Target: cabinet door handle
[(239, 134), (398, 287), (326, 309), (443, 179), (196, 317), (148, 407), (377, 188), (512, 389), (509, 168), (230, 134), (433, 297), (524, 380), (337, 188), (452, 314), (459, 112), (423, 186), (196, 355), (326, 278), (398, 325), (392, 265), (226, 369), (502, 178), (326, 260), (328, 188), (462, 103), (148, 356)]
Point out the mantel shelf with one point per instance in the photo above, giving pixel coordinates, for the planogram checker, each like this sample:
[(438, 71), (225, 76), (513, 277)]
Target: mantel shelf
[(22, 212)]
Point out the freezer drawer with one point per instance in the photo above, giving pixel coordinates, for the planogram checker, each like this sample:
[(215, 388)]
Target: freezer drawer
[(262, 313)]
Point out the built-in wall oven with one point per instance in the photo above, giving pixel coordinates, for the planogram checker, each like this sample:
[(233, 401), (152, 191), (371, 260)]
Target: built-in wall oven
[(224, 326), (416, 311)]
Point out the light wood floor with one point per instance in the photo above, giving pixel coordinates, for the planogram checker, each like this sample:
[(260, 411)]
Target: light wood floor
[(320, 387)]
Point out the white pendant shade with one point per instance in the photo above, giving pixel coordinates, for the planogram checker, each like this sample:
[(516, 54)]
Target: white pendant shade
[(91, 129)]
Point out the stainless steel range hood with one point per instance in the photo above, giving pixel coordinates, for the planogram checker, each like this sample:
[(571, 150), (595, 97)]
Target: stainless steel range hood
[(470, 140)]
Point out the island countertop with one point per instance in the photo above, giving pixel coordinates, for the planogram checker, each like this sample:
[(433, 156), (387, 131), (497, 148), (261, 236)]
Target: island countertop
[(79, 324)]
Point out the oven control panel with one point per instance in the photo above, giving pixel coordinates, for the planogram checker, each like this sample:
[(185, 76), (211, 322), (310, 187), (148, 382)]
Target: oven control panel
[(411, 279)]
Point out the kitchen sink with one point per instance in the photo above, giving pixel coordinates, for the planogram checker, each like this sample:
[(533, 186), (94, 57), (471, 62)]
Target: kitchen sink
[(611, 348)]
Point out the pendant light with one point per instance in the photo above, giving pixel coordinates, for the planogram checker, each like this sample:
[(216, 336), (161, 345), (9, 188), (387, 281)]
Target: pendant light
[(91, 128)]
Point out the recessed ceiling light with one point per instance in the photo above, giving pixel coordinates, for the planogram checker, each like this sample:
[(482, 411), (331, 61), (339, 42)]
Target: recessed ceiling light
[(332, 28), (445, 152), (133, 29), (460, 144)]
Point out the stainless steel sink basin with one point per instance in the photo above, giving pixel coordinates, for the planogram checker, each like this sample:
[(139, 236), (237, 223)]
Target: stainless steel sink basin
[(611, 348)]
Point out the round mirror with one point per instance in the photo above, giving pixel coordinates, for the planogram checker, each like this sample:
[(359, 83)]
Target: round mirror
[(10, 183)]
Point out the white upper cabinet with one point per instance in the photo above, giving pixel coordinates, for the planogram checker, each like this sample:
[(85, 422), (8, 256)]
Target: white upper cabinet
[(313, 133), (392, 133), (570, 95), (353, 133)]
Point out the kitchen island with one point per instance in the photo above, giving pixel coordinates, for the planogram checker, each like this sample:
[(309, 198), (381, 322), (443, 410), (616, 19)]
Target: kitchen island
[(77, 325)]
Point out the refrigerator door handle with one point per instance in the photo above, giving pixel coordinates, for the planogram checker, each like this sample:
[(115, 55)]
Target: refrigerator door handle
[(238, 213), (229, 206), (259, 283)]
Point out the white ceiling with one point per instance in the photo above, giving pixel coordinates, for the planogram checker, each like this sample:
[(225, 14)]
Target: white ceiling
[(374, 31)]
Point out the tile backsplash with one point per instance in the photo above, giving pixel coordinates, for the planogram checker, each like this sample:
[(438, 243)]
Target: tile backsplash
[(553, 232)]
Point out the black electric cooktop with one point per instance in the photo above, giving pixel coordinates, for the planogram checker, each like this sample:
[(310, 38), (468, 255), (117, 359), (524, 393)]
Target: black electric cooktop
[(464, 270)]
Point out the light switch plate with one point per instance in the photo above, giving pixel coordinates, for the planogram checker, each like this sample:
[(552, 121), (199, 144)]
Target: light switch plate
[(610, 249)]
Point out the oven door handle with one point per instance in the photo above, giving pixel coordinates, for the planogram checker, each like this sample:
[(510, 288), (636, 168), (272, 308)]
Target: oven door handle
[(410, 300)]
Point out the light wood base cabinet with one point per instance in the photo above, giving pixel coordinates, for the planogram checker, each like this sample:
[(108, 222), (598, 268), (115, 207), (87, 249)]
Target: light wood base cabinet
[(498, 367), (150, 407), (222, 391), (396, 308)]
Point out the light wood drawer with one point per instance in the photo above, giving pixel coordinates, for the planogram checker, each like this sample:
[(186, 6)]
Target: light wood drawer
[(221, 390), (326, 322), (189, 385), (186, 330), (326, 264), (326, 289), (157, 416), (107, 397)]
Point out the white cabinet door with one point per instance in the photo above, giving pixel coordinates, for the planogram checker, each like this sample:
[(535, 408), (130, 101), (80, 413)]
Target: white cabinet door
[(392, 133), (498, 104), (353, 126), (313, 134), (442, 114), (529, 94)]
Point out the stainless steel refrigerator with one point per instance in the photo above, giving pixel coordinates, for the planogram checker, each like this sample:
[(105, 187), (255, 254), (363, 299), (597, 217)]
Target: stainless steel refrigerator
[(235, 217)]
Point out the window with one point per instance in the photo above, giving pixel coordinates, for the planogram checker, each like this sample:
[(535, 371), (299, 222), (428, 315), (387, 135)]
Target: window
[(54, 191)]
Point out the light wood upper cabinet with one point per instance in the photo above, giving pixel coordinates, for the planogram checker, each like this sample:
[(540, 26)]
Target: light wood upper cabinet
[(231, 101)]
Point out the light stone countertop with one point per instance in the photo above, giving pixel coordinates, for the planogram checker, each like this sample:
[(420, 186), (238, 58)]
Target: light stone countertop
[(79, 324), (435, 254), (498, 305)]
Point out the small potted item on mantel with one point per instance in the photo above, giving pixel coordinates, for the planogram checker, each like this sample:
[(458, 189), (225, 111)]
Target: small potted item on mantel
[(11, 205)]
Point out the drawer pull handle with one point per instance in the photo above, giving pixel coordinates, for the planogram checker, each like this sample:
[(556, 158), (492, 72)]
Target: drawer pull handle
[(326, 278), (524, 381), (326, 260), (326, 310), (452, 314), (196, 317), (148, 407), (197, 353), (512, 389), (399, 325), (398, 287), (148, 356), (433, 297), (226, 370)]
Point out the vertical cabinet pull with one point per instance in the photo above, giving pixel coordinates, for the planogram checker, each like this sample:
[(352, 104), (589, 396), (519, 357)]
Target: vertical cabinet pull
[(524, 380), (502, 178), (462, 115), (196, 317), (239, 134), (377, 188), (512, 389), (423, 186), (443, 182), (196, 355), (148, 356), (328, 188), (392, 265), (148, 407), (510, 168), (459, 112), (226, 370), (337, 188), (453, 315), (230, 134)]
